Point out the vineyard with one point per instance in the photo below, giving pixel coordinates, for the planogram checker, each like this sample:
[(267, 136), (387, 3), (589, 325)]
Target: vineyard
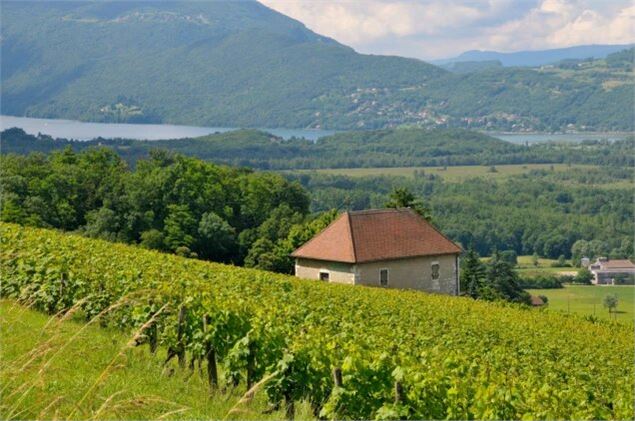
[(350, 352)]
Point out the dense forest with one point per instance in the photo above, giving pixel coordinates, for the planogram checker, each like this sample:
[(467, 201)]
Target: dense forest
[(379, 148), (169, 202), (545, 212), (241, 64)]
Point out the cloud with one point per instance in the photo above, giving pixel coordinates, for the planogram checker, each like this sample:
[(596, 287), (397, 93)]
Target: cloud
[(432, 29)]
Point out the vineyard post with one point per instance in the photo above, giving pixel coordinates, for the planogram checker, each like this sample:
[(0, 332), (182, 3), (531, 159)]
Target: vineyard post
[(337, 377), (250, 364), (152, 334), (289, 405), (212, 371), (179, 335), (398, 392)]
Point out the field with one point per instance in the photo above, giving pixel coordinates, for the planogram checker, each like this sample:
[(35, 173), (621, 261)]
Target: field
[(345, 352), (452, 174), (72, 359), (587, 300)]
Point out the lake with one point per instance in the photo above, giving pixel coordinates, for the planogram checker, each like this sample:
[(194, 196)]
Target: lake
[(79, 130)]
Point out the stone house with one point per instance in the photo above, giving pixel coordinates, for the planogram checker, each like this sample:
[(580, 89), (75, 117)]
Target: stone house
[(612, 272), (394, 248)]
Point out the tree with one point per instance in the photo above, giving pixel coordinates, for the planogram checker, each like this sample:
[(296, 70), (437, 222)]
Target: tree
[(583, 276), (510, 257), (472, 274), (180, 227), (401, 197), (502, 278), (562, 261), (610, 302), (216, 238), (535, 260)]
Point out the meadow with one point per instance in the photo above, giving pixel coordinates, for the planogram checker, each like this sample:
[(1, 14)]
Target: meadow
[(52, 366), (587, 300), (451, 173)]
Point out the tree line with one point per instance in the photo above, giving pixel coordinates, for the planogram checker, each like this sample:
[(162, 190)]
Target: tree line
[(168, 202), (404, 147)]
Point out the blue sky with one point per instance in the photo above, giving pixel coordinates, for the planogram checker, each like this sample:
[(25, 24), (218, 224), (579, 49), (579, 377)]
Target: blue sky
[(433, 29)]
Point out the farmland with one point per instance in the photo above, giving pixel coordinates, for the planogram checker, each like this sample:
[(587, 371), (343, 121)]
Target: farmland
[(452, 173), (347, 352), (587, 300)]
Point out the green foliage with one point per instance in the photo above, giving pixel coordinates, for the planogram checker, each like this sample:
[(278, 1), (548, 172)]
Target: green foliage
[(542, 281), (401, 147), (610, 302), (472, 274), (519, 213), (584, 276), (502, 280), (169, 202), (509, 256), (454, 358), (403, 198)]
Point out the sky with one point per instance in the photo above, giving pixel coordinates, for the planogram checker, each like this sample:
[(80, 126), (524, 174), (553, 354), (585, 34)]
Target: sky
[(436, 29)]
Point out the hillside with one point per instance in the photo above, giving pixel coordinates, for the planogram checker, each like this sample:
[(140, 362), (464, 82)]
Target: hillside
[(240, 64), (446, 357)]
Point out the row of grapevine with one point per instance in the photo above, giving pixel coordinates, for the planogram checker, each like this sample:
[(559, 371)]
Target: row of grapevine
[(352, 352)]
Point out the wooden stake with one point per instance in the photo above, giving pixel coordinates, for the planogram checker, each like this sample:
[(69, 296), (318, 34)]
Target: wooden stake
[(179, 336), (337, 376), (398, 392)]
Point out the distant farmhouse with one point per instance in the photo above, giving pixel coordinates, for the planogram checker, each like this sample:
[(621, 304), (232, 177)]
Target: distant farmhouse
[(394, 248), (613, 272)]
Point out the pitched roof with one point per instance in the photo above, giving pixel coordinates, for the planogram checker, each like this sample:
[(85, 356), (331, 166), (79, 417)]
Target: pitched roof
[(372, 235), (618, 264)]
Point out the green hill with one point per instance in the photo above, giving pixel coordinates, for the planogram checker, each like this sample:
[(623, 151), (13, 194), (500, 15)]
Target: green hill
[(241, 64)]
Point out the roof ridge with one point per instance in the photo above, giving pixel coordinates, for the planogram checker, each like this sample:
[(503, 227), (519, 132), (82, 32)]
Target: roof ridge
[(383, 210), (350, 231)]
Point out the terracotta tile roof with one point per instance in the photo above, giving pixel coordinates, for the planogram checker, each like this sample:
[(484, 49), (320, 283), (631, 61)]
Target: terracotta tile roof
[(383, 234), (618, 264)]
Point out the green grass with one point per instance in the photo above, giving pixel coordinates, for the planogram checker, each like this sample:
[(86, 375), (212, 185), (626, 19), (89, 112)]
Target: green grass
[(526, 267), (587, 300), (137, 386), (452, 174)]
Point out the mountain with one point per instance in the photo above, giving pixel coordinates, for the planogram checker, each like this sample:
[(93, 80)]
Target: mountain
[(535, 58), (241, 64)]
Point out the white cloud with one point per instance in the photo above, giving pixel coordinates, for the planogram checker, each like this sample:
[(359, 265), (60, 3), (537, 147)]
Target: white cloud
[(440, 28)]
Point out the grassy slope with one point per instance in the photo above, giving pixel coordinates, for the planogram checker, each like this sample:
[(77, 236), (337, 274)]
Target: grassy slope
[(137, 388), (587, 300), (448, 326)]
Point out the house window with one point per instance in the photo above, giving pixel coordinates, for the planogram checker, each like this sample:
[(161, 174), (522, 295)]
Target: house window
[(383, 277), (435, 271), (435, 276), (324, 276)]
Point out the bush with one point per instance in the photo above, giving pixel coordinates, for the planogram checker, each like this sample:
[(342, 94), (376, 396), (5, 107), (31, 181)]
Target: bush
[(584, 277), (547, 281), (510, 257)]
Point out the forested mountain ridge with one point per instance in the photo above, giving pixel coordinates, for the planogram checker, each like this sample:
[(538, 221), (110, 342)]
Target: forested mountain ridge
[(242, 64)]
